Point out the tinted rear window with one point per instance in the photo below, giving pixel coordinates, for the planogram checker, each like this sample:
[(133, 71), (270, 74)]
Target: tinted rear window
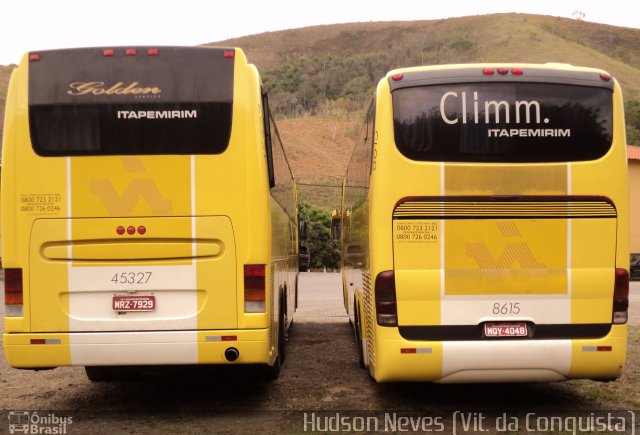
[(84, 103), (503, 122)]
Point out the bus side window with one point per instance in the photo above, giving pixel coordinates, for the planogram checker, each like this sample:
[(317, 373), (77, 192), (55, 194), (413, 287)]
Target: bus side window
[(267, 138)]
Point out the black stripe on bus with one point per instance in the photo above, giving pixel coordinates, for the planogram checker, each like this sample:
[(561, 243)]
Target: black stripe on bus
[(475, 332)]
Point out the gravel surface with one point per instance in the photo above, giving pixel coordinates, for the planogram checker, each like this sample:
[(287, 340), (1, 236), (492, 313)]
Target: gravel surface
[(320, 378)]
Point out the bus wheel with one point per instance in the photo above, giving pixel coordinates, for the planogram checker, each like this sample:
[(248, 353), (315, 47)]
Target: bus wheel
[(356, 326), (99, 374), (273, 372)]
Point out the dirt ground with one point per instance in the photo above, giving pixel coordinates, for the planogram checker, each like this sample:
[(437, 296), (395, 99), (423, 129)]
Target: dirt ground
[(320, 380)]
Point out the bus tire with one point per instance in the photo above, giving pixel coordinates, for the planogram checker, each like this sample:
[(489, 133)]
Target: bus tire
[(356, 326), (273, 372), (99, 374)]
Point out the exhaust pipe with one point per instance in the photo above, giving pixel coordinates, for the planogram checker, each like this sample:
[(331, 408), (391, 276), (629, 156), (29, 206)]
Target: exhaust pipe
[(232, 354)]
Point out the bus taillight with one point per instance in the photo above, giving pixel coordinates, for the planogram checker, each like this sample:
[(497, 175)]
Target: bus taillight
[(621, 297), (254, 288), (386, 305), (13, 294)]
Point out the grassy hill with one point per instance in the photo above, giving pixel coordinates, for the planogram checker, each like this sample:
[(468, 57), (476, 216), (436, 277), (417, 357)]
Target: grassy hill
[(5, 74), (320, 78)]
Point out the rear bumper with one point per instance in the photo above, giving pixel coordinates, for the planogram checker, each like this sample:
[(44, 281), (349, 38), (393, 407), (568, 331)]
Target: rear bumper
[(397, 359), (136, 348)]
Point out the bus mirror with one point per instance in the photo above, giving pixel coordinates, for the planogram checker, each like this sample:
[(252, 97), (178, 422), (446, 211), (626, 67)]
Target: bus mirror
[(302, 229), (335, 225)]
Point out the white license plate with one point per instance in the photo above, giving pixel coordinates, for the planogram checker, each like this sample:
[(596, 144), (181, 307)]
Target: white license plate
[(506, 329), (134, 303)]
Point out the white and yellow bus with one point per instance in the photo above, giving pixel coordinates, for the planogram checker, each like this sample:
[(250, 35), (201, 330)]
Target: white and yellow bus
[(485, 225), (148, 212)]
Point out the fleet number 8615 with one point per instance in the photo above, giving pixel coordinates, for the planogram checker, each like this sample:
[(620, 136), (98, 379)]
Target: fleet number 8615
[(506, 308)]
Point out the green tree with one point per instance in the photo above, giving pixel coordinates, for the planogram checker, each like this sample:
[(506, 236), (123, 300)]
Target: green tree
[(323, 250), (632, 119)]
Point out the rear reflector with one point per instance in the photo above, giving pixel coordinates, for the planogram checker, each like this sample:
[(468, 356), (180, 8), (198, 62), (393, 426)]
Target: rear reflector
[(13, 292), (621, 297), (385, 293), (254, 288)]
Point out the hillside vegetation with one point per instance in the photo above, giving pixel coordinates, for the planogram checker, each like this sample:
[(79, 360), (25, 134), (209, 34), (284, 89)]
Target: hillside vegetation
[(307, 69), (321, 78)]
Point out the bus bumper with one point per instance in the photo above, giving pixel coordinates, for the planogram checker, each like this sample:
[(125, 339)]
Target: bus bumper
[(396, 359), (47, 350)]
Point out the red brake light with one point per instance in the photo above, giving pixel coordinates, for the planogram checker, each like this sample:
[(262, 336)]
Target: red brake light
[(397, 77), (385, 295), (108, 52), (130, 52), (153, 52), (13, 287), (488, 71), (254, 288), (517, 71), (621, 296)]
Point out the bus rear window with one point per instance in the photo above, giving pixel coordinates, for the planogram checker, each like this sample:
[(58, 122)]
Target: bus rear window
[(84, 103), (503, 122)]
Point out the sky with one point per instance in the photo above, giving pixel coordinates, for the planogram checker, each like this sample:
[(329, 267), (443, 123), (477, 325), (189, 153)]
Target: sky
[(30, 25)]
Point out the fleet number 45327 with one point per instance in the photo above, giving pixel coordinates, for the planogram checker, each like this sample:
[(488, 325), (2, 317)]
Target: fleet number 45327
[(135, 278)]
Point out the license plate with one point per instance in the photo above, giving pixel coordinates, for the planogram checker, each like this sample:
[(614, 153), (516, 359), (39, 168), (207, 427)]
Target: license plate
[(134, 303), (506, 330)]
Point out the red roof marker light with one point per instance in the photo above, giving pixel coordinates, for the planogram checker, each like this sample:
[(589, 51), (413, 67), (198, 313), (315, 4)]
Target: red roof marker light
[(131, 52), (153, 52), (503, 71), (605, 77), (229, 54), (33, 57), (108, 52), (517, 71), (397, 77), (488, 71)]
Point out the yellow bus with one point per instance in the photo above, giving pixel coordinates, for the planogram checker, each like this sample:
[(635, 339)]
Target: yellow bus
[(149, 212), (484, 225)]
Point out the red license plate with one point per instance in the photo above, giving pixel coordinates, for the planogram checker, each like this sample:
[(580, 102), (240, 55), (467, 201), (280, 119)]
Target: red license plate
[(134, 303), (506, 329)]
